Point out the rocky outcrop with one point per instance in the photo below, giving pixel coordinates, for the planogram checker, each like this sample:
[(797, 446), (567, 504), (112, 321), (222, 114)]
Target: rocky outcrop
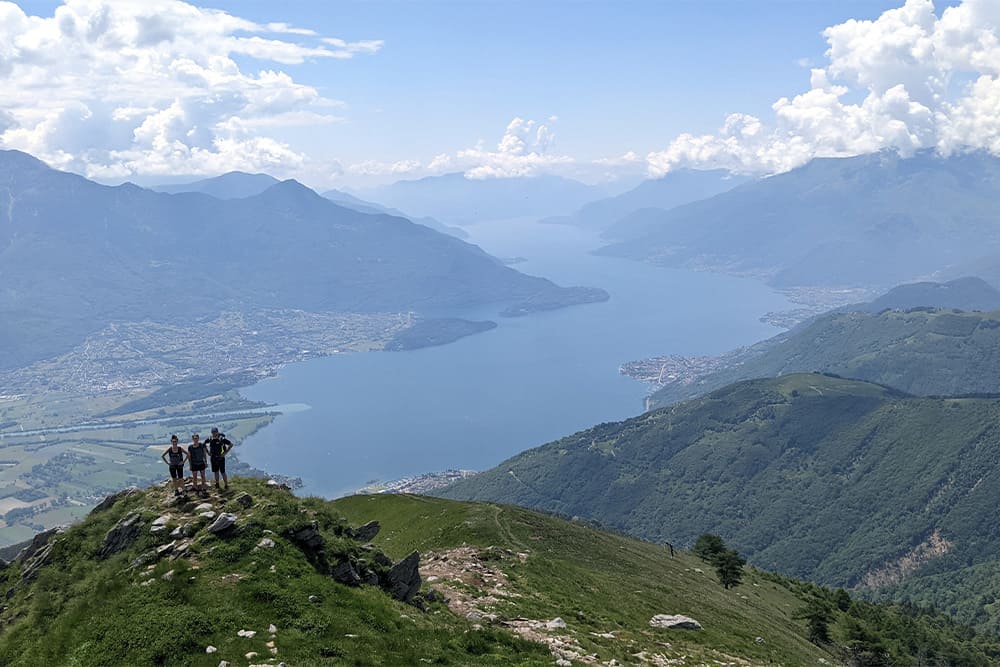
[(122, 535), (674, 622), (39, 557), (345, 573), (367, 532), (244, 500), (38, 542), (223, 523), (311, 542), (403, 580), (114, 498)]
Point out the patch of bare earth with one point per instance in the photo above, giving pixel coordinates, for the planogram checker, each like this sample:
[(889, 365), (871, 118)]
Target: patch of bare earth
[(476, 587), (895, 571)]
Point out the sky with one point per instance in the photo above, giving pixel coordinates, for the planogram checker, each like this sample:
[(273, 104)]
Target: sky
[(350, 94)]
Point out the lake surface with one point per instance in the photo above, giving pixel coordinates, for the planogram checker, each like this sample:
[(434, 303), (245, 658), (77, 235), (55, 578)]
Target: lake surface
[(484, 398)]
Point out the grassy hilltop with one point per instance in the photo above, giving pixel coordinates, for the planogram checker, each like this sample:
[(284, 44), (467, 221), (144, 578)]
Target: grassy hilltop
[(508, 574)]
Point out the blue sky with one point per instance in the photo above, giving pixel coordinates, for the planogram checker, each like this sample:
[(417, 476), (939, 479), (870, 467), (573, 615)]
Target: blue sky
[(601, 89)]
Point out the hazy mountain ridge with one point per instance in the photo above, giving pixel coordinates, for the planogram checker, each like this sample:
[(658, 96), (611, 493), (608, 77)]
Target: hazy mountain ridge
[(127, 254), (457, 199), (679, 187), (871, 220), (818, 477)]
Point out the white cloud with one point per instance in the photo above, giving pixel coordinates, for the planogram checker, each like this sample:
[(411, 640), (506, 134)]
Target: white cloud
[(115, 88), (523, 150), (923, 81)]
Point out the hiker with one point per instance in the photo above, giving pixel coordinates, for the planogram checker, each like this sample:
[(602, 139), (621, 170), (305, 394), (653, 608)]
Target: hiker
[(197, 451), (218, 446), (175, 457)]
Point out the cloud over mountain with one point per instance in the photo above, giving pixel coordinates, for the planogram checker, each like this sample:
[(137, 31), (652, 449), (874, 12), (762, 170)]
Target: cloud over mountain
[(908, 80), (112, 88)]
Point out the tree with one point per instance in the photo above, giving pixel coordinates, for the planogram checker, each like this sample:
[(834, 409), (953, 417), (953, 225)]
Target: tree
[(729, 568), (818, 615), (708, 547)]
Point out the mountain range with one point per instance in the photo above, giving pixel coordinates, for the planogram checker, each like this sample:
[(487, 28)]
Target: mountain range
[(76, 255), (238, 185), (653, 197), (868, 221), (459, 200)]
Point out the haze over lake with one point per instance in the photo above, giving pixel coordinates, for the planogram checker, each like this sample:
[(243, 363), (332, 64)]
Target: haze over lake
[(477, 401)]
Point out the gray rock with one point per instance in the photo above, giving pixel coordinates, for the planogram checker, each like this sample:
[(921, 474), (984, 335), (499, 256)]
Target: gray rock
[(209, 515), (114, 498), (313, 546), (265, 543), (244, 500), (122, 535), (345, 573), (38, 560), (403, 580), (203, 507), (367, 532), (315, 598), (556, 624), (674, 622), (38, 542), (223, 523), (382, 559)]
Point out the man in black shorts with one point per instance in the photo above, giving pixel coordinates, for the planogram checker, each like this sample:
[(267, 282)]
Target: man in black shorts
[(218, 446), (175, 457), (198, 453)]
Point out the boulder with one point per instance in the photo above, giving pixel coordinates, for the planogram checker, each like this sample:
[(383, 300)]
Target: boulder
[(311, 542), (244, 500), (223, 523), (122, 535), (345, 573), (674, 622), (203, 507), (114, 498), (265, 543), (403, 580), (367, 532)]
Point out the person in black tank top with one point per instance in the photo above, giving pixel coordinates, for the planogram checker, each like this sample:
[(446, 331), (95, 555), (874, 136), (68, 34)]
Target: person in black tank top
[(218, 446), (175, 457), (198, 457)]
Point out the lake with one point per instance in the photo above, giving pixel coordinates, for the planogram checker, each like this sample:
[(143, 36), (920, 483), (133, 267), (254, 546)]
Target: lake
[(484, 398)]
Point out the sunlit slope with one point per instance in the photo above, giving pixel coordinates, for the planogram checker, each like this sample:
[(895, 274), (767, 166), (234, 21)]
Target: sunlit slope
[(838, 481), (921, 351)]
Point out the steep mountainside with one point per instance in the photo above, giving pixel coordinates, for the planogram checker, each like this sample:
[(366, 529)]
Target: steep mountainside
[(842, 482), (864, 221), (921, 351), (676, 188), (75, 255), (147, 580), (350, 201), (456, 199)]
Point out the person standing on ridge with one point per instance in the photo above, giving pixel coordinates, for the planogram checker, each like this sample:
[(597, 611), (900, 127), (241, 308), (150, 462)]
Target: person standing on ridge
[(198, 453), (218, 446), (175, 457)]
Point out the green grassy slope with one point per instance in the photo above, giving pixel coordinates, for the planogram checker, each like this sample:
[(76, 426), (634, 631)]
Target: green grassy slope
[(920, 351), (839, 481), (506, 571)]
